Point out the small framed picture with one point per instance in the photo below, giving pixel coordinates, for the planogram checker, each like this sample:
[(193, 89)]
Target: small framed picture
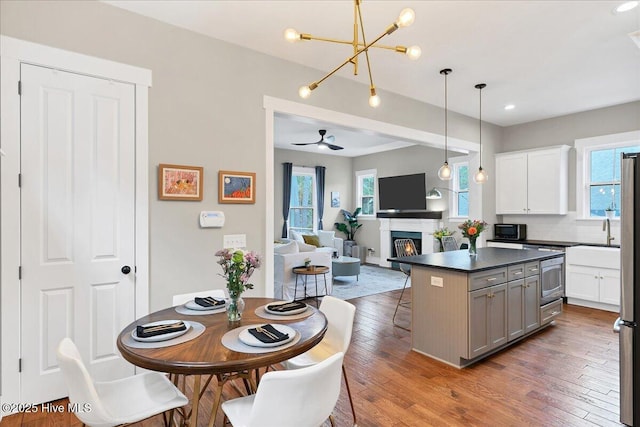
[(236, 187), (335, 199), (176, 182)]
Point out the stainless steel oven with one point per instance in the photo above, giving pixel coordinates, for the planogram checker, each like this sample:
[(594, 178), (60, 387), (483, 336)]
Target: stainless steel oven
[(552, 279)]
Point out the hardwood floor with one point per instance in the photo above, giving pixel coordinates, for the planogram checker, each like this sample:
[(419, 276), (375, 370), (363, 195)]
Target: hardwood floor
[(566, 375)]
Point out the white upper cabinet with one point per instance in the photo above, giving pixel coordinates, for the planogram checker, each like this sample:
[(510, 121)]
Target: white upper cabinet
[(533, 181)]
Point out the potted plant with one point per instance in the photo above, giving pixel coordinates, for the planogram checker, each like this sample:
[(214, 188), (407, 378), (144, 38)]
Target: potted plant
[(610, 211), (349, 229), (439, 234)]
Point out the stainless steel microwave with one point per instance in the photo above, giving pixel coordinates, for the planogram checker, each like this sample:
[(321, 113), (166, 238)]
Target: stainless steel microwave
[(510, 231)]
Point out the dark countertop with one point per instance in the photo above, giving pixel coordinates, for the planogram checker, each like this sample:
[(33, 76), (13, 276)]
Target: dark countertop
[(486, 259), (560, 244)]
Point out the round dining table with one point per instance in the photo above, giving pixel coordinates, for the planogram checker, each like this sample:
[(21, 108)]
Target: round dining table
[(206, 355)]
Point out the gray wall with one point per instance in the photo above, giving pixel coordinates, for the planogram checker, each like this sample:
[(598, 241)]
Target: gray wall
[(205, 108), (566, 129), (338, 177)]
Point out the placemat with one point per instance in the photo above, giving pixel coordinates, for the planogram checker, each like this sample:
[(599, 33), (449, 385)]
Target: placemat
[(194, 332), (231, 341), (260, 312), (188, 312)]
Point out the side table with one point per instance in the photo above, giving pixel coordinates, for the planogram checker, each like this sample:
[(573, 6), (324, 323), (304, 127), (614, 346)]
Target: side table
[(305, 272)]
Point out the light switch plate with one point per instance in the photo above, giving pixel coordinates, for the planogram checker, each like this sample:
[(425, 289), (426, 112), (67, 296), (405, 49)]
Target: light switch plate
[(437, 281), (231, 241)]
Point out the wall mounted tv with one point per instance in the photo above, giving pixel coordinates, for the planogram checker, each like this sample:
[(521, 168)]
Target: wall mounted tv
[(403, 193)]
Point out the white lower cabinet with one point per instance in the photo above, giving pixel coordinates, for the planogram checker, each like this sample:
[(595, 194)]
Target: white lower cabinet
[(593, 277), (593, 284)]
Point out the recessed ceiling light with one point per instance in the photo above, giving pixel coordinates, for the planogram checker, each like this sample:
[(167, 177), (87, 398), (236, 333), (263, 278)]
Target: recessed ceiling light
[(509, 107), (626, 6)]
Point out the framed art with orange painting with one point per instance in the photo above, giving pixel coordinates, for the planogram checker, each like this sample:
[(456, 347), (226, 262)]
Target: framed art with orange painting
[(236, 187), (177, 182)]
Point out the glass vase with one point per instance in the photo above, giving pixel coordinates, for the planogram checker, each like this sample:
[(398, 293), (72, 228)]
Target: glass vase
[(235, 307), (472, 246)]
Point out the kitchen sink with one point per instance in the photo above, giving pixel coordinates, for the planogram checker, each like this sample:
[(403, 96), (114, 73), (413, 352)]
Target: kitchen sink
[(594, 256)]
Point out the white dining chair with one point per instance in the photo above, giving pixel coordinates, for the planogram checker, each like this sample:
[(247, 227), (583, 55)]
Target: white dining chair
[(340, 315), (404, 247), (291, 398), (183, 298), (112, 403)]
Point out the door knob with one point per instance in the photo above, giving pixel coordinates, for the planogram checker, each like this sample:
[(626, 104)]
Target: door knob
[(126, 269)]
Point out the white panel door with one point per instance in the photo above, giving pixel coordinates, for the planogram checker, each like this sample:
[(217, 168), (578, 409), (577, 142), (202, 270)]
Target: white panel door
[(77, 215)]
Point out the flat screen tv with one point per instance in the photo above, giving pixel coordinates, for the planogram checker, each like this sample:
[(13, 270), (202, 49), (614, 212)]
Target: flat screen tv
[(403, 193)]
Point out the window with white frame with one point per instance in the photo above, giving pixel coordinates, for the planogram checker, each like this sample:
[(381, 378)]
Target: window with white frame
[(598, 168), (302, 207), (366, 193), (460, 197)]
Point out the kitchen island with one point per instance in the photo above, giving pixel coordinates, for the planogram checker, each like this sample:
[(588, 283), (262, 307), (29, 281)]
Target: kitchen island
[(465, 308)]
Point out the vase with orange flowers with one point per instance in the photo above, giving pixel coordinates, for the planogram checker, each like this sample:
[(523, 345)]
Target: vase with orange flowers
[(471, 230)]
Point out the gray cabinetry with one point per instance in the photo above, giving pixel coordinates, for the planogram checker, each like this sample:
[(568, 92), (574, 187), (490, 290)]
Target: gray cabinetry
[(531, 304), (487, 319), (516, 296), (523, 297)]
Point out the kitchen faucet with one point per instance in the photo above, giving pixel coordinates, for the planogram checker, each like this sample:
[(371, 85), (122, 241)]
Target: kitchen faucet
[(606, 225)]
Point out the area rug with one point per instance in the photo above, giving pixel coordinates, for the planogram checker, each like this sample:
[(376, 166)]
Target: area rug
[(372, 280)]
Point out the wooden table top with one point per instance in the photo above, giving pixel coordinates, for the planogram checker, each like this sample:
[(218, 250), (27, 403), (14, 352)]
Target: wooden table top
[(317, 269), (207, 355)]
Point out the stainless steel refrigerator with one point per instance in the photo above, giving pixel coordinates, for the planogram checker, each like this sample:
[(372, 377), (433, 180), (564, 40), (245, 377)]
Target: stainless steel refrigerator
[(628, 324)]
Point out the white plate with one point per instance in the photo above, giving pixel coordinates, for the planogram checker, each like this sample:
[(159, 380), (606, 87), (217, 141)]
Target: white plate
[(161, 337), (192, 305), (246, 338), (284, 313)]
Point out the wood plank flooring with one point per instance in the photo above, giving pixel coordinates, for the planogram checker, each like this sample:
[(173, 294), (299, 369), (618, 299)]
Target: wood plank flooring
[(566, 375)]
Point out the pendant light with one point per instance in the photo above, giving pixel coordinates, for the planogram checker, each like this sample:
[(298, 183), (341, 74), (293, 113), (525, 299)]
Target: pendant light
[(444, 173), (481, 176)]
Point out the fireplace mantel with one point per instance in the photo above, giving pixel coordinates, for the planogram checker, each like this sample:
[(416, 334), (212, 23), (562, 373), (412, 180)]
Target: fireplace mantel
[(421, 225)]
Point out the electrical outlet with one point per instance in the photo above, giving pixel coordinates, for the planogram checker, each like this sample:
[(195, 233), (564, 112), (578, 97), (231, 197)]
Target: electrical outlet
[(437, 281), (231, 241)]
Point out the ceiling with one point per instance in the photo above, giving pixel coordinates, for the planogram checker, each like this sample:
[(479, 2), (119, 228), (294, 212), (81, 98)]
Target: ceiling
[(548, 58)]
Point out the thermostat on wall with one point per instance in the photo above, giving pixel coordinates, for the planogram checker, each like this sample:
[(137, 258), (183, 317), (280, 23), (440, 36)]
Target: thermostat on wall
[(211, 219)]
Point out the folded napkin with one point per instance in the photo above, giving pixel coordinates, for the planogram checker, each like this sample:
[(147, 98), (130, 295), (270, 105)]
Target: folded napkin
[(209, 301), (282, 308), (153, 330), (268, 334)]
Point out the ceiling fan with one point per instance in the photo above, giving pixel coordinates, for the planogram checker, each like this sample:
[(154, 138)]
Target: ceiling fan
[(323, 143)]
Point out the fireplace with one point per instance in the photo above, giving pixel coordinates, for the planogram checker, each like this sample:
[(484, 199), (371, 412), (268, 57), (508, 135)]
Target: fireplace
[(419, 229), (413, 235)]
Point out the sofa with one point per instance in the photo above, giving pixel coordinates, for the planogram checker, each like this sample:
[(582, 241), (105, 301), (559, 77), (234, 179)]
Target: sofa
[(321, 239), (290, 254)]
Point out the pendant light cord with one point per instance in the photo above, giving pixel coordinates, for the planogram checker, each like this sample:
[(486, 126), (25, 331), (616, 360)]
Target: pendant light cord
[(480, 127), (446, 123)]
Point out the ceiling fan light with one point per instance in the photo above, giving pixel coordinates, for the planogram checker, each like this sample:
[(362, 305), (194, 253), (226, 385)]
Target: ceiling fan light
[(444, 173), (481, 176), (406, 18), (291, 35), (322, 146), (413, 52)]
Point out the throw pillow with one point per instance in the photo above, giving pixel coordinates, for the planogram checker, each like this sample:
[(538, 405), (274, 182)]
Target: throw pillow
[(287, 248), (296, 235), (311, 239), (303, 247), (326, 237)]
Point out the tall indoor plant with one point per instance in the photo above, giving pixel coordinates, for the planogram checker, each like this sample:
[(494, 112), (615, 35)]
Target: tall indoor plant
[(349, 228)]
